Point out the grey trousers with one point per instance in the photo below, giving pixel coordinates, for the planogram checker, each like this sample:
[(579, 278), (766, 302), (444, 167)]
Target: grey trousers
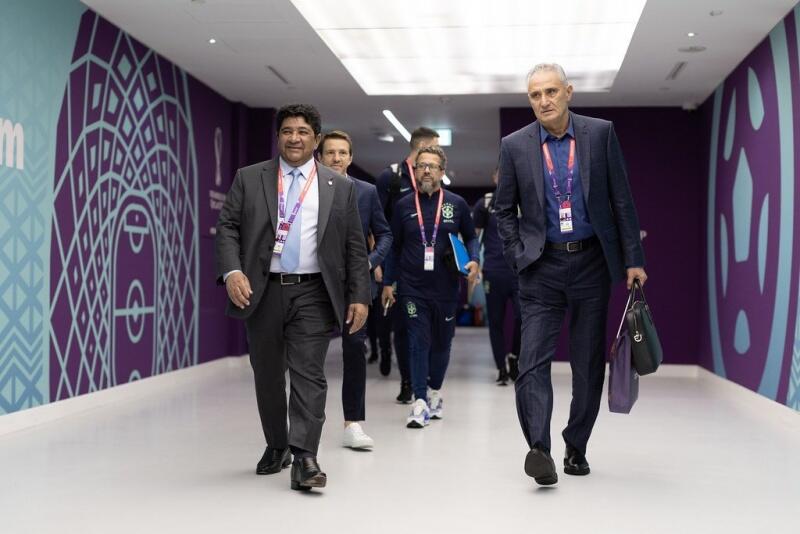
[(291, 328)]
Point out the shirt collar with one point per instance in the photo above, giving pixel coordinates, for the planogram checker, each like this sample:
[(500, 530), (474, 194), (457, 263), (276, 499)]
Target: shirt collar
[(305, 168), (544, 135)]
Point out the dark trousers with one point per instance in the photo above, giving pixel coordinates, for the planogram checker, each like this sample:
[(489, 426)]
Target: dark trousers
[(395, 320), (291, 327), (430, 325), (379, 329), (557, 282), (354, 376), (501, 287)]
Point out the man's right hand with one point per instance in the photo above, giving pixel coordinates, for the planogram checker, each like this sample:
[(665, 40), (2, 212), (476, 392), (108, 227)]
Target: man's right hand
[(387, 296), (378, 272), (239, 290)]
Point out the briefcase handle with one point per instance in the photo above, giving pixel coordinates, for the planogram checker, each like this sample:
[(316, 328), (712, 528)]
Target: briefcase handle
[(625, 311), (638, 286)]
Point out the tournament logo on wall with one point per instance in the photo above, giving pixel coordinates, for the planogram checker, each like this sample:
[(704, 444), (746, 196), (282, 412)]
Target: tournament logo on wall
[(216, 199), (124, 262), (751, 221)]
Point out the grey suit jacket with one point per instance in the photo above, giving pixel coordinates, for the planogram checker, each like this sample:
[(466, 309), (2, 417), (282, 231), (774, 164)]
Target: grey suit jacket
[(246, 235), (520, 204)]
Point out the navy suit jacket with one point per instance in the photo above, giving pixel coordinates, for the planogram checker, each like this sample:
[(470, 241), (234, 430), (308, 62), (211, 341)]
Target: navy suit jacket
[(373, 220), (520, 201)]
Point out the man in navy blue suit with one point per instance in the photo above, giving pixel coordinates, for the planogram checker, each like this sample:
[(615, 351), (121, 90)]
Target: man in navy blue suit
[(569, 228), (336, 149)]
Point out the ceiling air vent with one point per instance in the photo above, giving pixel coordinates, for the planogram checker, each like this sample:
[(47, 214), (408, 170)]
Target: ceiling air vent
[(676, 70)]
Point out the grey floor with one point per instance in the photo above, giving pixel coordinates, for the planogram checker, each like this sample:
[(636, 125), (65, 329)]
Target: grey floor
[(177, 453)]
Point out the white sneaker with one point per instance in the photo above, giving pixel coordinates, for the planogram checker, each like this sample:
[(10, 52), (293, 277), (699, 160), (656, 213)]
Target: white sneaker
[(436, 403), (355, 438), (420, 415)]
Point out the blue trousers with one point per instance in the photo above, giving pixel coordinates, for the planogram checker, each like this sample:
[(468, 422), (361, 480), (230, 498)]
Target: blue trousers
[(431, 326), (558, 282), (500, 287)]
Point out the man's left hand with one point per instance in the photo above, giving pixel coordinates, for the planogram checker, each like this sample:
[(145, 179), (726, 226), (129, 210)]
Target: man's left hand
[(474, 273), (636, 272), (356, 317)]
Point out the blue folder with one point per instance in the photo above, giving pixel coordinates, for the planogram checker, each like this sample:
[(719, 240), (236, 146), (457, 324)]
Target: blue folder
[(460, 253)]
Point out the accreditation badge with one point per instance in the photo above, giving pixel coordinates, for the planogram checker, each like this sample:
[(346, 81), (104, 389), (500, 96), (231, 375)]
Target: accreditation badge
[(280, 238), (428, 258), (565, 217)]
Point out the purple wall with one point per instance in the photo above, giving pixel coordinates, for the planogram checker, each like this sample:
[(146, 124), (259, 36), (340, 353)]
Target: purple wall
[(751, 125), (662, 148), (145, 154)]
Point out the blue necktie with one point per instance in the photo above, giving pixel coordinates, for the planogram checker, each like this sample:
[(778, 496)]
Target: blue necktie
[(290, 257)]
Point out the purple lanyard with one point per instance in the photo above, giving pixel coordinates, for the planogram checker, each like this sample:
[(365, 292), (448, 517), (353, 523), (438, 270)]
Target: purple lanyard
[(282, 199), (551, 169)]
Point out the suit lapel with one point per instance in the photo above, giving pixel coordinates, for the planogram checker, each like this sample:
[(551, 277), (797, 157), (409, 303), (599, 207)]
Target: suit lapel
[(326, 190), (535, 161), (269, 179), (584, 152)]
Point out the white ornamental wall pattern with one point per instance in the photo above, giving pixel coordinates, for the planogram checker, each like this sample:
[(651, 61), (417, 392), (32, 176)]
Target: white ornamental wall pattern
[(124, 256)]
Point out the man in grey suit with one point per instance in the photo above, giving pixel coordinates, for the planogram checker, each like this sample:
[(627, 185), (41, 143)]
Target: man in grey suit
[(291, 254), (569, 228)]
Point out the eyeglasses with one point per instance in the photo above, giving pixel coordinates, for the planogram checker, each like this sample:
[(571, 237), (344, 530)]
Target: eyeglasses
[(432, 166)]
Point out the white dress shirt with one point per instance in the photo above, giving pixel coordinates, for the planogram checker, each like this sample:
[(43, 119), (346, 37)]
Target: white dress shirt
[(308, 228)]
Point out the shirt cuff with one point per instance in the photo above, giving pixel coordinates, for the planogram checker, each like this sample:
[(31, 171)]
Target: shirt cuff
[(226, 275)]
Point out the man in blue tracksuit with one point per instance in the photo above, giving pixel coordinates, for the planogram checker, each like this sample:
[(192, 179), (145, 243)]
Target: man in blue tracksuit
[(336, 152), (395, 182), (423, 265), (501, 286)]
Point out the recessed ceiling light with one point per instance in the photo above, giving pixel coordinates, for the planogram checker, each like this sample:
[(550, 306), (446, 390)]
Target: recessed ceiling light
[(692, 49), (450, 47), (715, 13), (691, 34), (386, 138), (212, 41)]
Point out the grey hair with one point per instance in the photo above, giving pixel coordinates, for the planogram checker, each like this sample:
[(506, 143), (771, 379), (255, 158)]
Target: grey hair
[(552, 67)]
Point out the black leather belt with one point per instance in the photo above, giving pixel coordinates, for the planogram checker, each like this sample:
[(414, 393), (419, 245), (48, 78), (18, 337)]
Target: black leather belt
[(572, 246), (292, 279)]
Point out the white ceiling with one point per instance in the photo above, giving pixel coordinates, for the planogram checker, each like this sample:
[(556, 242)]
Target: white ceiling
[(252, 34)]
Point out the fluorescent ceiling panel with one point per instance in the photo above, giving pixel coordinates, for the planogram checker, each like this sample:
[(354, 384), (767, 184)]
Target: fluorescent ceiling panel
[(417, 47)]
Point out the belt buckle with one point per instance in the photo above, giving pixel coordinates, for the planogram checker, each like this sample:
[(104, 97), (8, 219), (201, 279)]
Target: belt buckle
[(577, 244), (287, 283)]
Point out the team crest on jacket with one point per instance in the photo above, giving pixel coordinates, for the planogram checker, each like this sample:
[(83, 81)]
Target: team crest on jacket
[(448, 210), (411, 308)]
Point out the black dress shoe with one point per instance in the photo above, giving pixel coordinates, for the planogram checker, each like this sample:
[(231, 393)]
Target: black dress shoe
[(386, 363), (306, 474), (575, 463), (502, 377), (406, 393), (539, 465), (513, 367), (273, 461)]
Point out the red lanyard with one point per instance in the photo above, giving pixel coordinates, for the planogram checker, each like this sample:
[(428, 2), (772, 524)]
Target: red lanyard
[(436, 222), (282, 200), (551, 169), (411, 174)]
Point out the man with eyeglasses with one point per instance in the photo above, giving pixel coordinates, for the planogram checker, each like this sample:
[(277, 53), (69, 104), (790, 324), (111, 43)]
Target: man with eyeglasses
[(393, 184), (427, 284)]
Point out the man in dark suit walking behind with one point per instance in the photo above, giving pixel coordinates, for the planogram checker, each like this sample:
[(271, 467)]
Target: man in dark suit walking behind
[(336, 152), (291, 254), (569, 228)]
